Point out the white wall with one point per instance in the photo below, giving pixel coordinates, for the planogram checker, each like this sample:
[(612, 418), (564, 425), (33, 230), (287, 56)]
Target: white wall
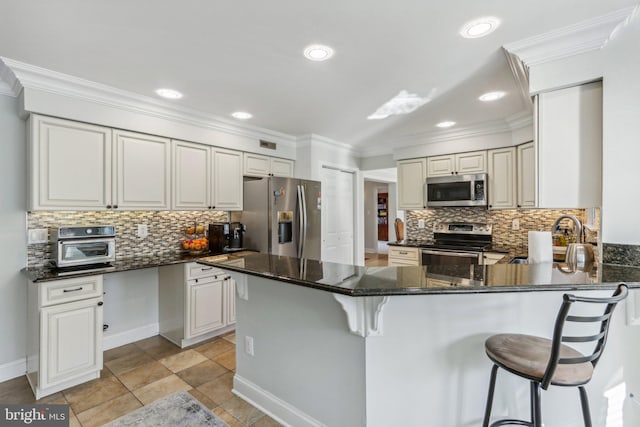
[(621, 136), (370, 216), (13, 251), (392, 211)]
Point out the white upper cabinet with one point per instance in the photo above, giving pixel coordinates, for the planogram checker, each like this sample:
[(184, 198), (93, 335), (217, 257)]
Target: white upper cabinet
[(281, 167), (526, 175), (191, 176), (142, 171), (259, 165), (457, 164), (569, 132), (70, 164), (227, 182), (502, 178), (411, 180)]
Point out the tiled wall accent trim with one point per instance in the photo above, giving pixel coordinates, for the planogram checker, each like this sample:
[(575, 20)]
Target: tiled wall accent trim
[(166, 229), (504, 238), (621, 254)]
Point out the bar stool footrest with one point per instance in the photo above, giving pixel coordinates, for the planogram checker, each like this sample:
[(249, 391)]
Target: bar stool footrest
[(509, 422)]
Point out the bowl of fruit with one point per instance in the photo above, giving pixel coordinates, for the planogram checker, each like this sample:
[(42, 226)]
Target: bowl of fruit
[(195, 242)]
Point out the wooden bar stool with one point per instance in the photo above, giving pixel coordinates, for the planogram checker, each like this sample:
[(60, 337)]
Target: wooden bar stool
[(547, 362)]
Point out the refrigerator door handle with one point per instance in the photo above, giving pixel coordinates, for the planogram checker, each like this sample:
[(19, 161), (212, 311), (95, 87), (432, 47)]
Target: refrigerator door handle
[(300, 221), (304, 211)]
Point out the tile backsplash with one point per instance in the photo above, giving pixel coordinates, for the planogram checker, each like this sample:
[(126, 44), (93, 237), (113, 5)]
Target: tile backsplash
[(504, 238), (166, 229)]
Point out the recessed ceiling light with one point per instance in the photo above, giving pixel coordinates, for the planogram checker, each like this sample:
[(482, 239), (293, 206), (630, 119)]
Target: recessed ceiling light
[(479, 27), (492, 96), (446, 124), (169, 93), (241, 115), (318, 52)]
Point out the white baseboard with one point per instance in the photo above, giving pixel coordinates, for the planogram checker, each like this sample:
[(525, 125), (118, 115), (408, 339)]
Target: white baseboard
[(276, 408), (132, 335), (14, 369), (370, 250)]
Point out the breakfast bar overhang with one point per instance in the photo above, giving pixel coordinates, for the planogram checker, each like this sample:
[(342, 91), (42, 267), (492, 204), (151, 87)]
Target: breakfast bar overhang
[(343, 345)]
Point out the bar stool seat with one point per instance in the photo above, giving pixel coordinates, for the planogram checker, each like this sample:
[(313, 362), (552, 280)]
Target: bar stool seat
[(546, 362), (528, 357)]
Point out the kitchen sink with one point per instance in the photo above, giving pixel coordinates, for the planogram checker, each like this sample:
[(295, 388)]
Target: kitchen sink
[(519, 260)]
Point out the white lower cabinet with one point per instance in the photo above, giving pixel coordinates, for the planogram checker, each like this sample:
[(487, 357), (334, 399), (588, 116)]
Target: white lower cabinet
[(196, 303), (401, 255), (65, 333)]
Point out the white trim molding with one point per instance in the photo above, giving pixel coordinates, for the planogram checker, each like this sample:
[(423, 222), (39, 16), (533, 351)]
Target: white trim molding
[(127, 337), (15, 369), (585, 36), (276, 408), (33, 77), (9, 84)]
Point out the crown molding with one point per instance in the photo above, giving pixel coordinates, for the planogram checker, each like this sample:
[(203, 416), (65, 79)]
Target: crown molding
[(9, 84), (585, 36), (520, 120), (33, 77), (309, 138), (521, 76)]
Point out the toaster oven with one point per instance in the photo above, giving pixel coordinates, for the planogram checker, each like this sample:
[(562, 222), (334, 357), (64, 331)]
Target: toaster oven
[(83, 245)]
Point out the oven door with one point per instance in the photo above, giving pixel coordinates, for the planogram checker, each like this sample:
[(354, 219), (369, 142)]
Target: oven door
[(85, 252), (443, 257)]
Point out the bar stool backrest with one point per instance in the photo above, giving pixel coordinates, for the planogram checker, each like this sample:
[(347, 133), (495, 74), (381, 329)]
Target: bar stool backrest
[(599, 338)]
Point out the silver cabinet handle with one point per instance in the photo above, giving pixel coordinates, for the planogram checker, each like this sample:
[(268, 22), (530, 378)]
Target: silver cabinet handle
[(207, 269), (404, 253), (73, 290)]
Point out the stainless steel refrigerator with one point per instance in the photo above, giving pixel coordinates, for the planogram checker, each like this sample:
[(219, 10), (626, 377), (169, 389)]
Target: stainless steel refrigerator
[(282, 216)]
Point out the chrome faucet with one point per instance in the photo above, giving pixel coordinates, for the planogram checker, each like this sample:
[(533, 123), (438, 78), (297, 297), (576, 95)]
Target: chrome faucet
[(578, 226)]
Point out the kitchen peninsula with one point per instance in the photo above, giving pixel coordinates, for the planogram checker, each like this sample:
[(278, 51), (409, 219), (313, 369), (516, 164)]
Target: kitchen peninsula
[(331, 344)]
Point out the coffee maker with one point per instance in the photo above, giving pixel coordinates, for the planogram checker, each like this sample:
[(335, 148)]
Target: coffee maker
[(225, 237)]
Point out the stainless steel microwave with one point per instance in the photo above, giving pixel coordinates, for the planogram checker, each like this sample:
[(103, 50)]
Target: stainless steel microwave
[(456, 190)]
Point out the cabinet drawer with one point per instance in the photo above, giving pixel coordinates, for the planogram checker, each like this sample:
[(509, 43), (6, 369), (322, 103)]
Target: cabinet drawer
[(410, 254), (195, 271), (62, 291)]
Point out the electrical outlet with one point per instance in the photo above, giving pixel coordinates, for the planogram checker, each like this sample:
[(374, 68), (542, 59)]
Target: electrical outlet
[(37, 235), (143, 231), (515, 224), (248, 345), (421, 223)]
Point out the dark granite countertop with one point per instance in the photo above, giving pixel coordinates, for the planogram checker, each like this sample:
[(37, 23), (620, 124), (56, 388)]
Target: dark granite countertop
[(45, 274), (421, 243), (434, 279)]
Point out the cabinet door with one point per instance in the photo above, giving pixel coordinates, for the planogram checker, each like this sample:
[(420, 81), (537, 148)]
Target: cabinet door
[(570, 147), (470, 163), (227, 180), (191, 176), (526, 175), (230, 289), (281, 167), (411, 180), (205, 311), (256, 165), (441, 166), (71, 341), (502, 178), (143, 165), (70, 164)]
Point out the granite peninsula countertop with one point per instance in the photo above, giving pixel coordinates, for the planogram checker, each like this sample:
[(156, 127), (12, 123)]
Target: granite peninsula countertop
[(432, 279), (45, 274)]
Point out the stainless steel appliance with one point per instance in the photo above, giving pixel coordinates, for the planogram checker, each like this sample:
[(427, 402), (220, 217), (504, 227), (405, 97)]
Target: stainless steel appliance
[(282, 216), (456, 190), (457, 243), (83, 245)]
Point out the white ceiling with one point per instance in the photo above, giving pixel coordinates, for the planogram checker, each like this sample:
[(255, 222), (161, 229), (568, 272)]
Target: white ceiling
[(247, 55)]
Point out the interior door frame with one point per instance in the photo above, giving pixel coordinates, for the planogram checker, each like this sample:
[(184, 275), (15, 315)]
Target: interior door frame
[(358, 223)]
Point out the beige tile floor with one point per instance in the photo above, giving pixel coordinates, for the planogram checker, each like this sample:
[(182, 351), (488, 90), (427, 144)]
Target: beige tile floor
[(376, 260), (137, 374)]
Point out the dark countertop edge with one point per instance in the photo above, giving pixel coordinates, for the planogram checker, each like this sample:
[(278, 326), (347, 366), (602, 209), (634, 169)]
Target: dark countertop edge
[(418, 244), (35, 274), (426, 291)]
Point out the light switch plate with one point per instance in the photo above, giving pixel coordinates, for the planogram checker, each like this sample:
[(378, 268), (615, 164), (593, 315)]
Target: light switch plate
[(37, 235), (143, 231), (421, 223)]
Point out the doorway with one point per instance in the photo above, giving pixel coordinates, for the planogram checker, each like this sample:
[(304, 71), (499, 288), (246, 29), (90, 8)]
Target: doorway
[(338, 219)]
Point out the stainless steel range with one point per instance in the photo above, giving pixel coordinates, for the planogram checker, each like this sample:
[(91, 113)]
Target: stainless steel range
[(457, 243)]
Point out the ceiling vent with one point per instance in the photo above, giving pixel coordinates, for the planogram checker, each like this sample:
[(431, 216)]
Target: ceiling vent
[(267, 144)]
